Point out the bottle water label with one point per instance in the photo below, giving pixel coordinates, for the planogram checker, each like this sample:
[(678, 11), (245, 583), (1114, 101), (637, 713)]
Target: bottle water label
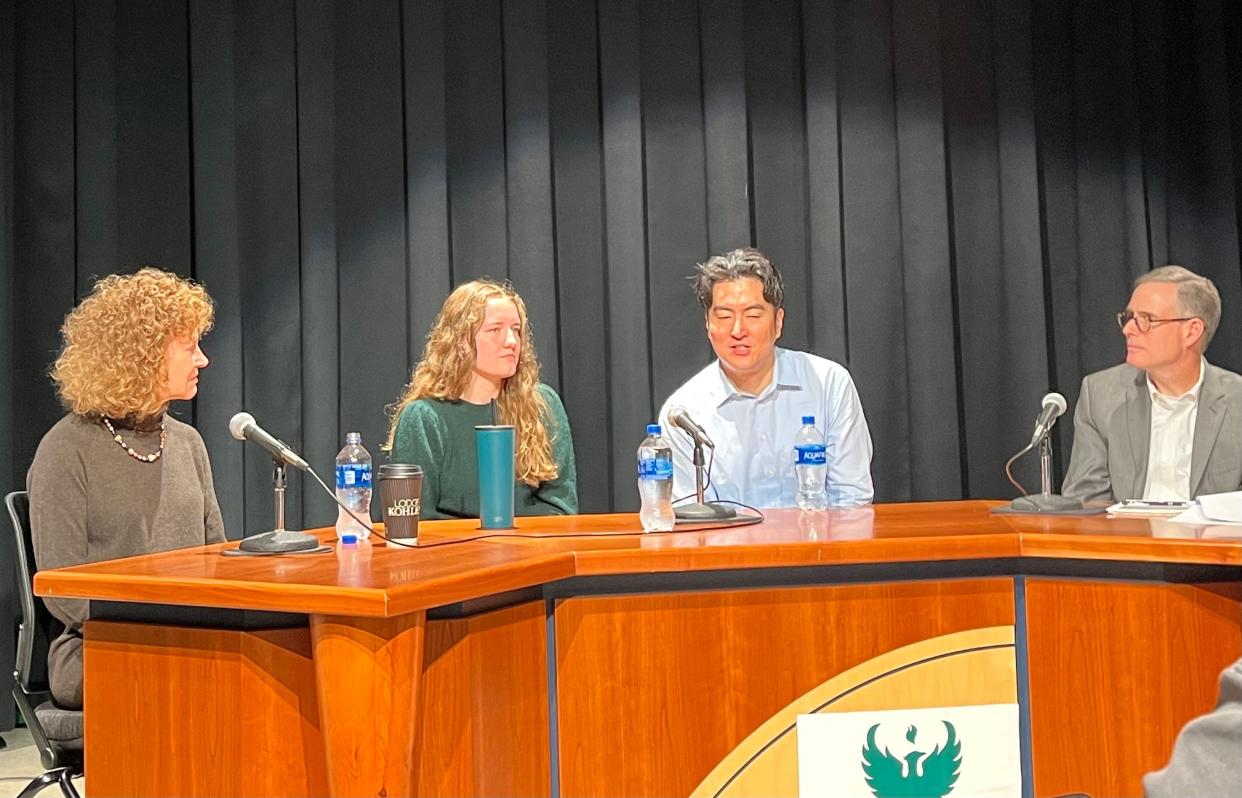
[(353, 475), (815, 454), (655, 468)]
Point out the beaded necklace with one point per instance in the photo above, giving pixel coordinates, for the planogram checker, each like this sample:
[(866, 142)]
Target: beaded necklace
[(142, 458)]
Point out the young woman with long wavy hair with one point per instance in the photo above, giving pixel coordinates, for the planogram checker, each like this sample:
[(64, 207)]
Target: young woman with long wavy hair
[(479, 367), (118, 476)]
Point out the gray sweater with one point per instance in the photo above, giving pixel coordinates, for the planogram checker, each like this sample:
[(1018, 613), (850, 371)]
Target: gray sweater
[(91, 501)]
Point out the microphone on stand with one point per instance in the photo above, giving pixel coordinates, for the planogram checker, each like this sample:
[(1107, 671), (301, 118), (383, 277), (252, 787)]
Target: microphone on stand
[(700, 510), (1052, 407), (280, 540), (680, 417), (243, 427)]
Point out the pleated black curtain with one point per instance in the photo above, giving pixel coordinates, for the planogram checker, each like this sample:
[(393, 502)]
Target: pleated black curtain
[(958, 193)]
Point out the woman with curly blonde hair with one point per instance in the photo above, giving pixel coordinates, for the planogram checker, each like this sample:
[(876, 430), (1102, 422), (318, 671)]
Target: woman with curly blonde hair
[(479, 367), (118, 476)]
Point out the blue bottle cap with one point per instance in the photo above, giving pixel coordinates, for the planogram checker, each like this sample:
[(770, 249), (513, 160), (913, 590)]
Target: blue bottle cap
[(653, 429), (808, 419), (349, 539)]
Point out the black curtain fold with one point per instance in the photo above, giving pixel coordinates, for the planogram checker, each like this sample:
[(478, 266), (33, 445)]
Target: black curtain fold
[(218, 213), (630, 347), (582, 276), (10, 613), (958, 192)]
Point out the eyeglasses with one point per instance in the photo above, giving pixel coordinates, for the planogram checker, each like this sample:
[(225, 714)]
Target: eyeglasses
[(1143, 321)]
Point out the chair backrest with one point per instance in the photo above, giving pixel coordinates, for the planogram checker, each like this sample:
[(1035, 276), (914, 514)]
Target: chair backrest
[(38, 629), (38, 626)]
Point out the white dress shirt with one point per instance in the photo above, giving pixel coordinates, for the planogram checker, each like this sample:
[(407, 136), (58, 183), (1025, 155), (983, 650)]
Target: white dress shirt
[(754, 434), (1172, 442)]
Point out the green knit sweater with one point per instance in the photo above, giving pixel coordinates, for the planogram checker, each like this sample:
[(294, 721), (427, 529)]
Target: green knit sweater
[(438, 435)]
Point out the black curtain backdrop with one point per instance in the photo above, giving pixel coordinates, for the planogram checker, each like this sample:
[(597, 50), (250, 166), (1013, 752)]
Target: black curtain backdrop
[(958, 193)]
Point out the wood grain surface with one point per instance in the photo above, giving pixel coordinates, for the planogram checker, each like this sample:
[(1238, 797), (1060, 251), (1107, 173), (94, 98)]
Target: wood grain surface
[(653, 691), (367, 677), (1116, 670), (201, 712), (667, 684), (485, 705), (458, 562)]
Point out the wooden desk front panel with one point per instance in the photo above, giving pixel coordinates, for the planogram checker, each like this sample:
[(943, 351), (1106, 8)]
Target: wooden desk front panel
[(206, 712), (1116, 670), (654, 690), (485, 705)]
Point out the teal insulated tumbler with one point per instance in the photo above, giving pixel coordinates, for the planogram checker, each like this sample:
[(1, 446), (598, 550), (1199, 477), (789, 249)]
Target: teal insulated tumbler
[(494, 445)]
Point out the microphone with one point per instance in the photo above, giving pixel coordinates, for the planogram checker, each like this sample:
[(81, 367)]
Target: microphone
[(243, 427), (280, 540), (1045, 501), (680, 417), (700, 510), (1053, 406)]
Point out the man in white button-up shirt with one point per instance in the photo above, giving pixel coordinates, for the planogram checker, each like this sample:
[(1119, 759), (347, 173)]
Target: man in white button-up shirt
[(751, 399), (1166, 424)]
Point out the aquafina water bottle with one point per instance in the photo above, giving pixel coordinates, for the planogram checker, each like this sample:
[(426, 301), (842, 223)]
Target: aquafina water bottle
[(655, 482), (811, 466), (353, 487)]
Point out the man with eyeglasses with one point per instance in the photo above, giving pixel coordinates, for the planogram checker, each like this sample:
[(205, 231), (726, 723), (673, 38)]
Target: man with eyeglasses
[(1166, 424)]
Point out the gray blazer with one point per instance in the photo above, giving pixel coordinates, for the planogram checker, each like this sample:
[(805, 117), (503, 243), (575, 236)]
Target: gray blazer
[(1112, 429)]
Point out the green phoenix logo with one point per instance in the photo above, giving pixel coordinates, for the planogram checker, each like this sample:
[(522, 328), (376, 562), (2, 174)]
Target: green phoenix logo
[(918, 774)]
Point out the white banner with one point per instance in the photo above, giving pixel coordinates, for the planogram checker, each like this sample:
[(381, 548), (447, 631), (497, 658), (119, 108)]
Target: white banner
[(965, 752)]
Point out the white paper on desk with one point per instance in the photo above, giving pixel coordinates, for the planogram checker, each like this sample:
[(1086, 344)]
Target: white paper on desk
[(1227, 531), (1197, 516), (1209, 529), (1223, 507), (1192, 516)]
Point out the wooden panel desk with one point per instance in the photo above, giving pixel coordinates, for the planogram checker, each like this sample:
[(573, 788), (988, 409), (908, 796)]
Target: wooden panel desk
[(574, 656)]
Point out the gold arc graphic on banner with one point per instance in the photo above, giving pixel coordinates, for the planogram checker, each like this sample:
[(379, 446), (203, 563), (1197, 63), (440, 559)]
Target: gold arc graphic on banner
[(977, 666)]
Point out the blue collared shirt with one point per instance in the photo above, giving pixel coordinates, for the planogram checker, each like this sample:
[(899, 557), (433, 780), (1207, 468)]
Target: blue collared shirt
[(754, 435)]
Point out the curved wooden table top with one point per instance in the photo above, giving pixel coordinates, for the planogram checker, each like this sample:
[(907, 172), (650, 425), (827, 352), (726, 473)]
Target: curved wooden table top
[(457, 561)]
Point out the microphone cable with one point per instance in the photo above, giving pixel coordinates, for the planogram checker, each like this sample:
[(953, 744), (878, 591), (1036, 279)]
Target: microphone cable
[(368, 524), (756, 510), (706, 526), (711, 461), (507, 534), (1009, 473)]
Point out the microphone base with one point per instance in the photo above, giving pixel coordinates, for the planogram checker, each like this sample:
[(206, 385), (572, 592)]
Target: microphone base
[(1039, 503), (280, 541), (698, 513)]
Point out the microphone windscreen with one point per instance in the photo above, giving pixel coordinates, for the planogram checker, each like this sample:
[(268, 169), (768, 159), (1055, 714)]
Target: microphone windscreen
[(1056, 399), (238, 425)]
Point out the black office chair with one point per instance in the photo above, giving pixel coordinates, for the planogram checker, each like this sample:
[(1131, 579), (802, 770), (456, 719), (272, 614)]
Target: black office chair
[(57, 732)]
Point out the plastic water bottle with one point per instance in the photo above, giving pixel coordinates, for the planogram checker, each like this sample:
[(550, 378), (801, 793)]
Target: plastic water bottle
[(811, 465), (655, 482), (353, 558), (353, 487)]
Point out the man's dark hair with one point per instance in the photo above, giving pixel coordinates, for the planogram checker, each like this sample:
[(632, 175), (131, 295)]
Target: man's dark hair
[(744, 262)]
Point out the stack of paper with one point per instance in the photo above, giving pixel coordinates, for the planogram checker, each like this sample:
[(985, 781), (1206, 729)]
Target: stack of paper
[(1145, 507), (1216, 509)]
